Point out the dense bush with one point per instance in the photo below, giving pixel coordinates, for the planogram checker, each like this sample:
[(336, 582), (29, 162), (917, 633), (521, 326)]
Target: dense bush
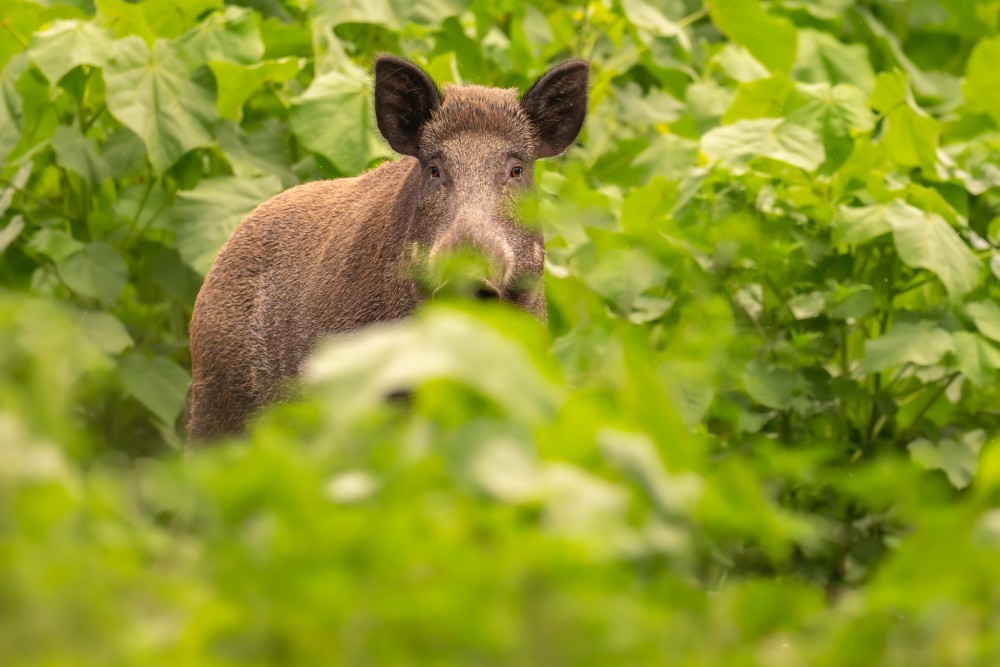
[(760, 428)]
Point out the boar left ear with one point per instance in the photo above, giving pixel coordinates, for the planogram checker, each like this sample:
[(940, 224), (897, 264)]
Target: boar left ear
[(405, 98), (557, 105)]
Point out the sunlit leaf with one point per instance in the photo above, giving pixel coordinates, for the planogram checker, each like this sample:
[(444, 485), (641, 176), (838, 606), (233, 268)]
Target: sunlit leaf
[(738, 144), (67, 44), (922, 344), (924, 240), (772, 40), (152, 94), (238, 82), (982, 78), (957, 458), (986, 315), (228, 37), (333, 118)]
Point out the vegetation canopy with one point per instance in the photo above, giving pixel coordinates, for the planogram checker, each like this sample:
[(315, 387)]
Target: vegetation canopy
[(760, 429)]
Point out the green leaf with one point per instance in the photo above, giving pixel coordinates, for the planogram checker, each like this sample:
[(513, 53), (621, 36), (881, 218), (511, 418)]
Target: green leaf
[(986, 315), (909, 136), (67, 44), (56, 244), (105, 331), (152, 19), (977, 358), (860, 224), (649, 19), (823, 58), (738, 144), (237, 83), (771, 40), (925, 240), (333, 118), (840, 110), (981, 87), (11, 112), (158, 383), (79, 155), (97, 271), (922, 344), (769, 385), (762, 98), (9, 233), (393, 14), (262, 152), (229, 37), (359, 370), (206, 216), (958, 459), (153, 95)]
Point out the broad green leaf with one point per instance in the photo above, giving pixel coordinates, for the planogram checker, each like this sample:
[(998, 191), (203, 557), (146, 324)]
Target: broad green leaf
[(228, 37), (97, 271), (393, 14), (986, 315), (840, 110), (359, 370), (860, 224), (67, 44), (847, 302), (823, 58), (206, 216), (237, 83), (772, 40), (158, 383), (56, 244), (79, 155), (920, 344), (978, 359), (738, 144), (926, 241), (153, 95), (649, 19), (105, 331), (957, 458), (909, 136), (152, 19), (637, 108), (262, 152), (761, 98), (18, 20), (333, 118), (981, 87), (769, 385)]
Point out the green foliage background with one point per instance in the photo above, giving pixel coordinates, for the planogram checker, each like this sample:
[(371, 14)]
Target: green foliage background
[(760, 429)]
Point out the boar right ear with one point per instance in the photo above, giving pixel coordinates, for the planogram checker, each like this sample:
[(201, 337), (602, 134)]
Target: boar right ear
[(557, 105), (405, 97)]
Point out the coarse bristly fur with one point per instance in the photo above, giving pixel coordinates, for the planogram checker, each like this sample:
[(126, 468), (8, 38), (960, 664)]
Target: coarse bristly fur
[(329, 256)]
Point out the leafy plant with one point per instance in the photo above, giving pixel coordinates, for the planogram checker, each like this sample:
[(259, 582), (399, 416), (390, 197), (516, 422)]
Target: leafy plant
[(760, 429)]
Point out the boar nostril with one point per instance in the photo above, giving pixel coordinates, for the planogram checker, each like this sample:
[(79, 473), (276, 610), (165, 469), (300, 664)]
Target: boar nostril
[(487, 292)]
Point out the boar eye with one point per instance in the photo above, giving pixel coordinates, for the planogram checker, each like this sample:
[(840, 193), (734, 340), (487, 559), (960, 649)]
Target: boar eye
[(516, 171), (435, 172)]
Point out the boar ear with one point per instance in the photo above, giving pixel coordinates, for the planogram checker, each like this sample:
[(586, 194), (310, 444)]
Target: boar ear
[(405, 97), (557, 104)]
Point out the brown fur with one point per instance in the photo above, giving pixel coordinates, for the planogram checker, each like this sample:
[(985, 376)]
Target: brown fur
[(328, 256)]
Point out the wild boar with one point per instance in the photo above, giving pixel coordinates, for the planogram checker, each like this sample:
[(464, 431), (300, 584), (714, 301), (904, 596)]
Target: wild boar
[(336, 255)]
